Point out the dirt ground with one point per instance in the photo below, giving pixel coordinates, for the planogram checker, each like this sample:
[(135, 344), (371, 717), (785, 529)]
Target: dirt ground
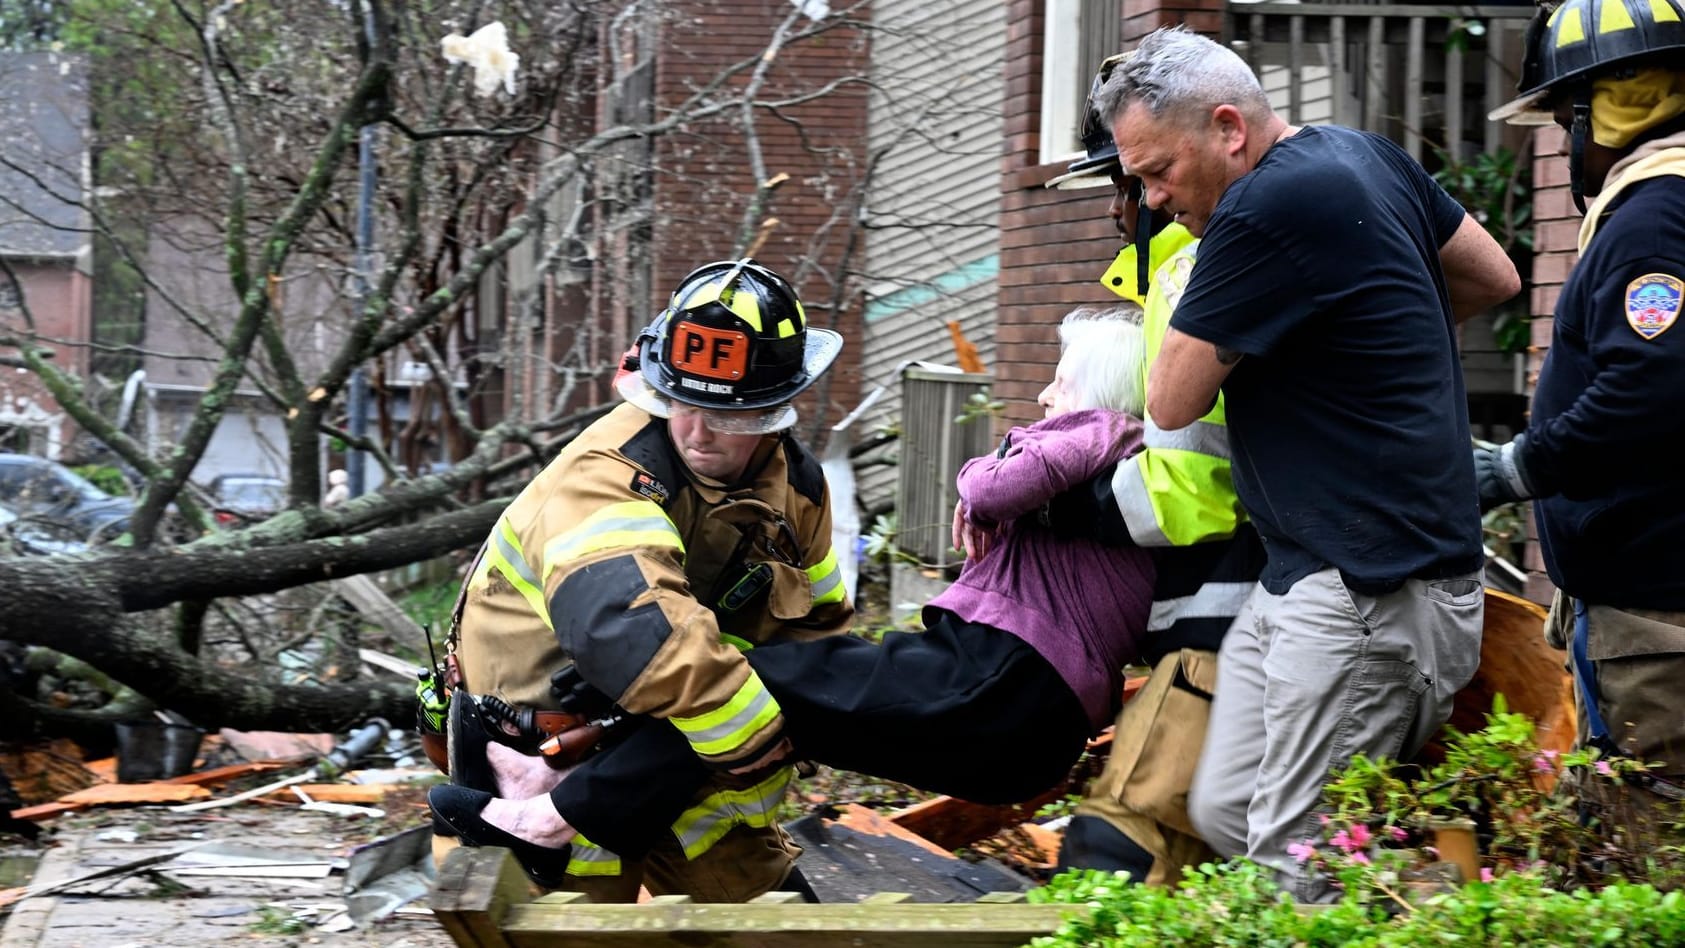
[(171, 905)]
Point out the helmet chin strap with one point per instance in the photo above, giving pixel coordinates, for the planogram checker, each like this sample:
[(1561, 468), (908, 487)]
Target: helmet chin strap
[(1577, 132), (1143, 237)]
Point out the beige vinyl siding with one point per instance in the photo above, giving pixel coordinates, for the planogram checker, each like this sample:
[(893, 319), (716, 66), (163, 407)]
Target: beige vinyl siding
[(934, 203)]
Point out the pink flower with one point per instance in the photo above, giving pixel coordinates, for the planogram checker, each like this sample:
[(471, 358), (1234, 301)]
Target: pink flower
[(1361, 836), (1361, 858), (1397, 833), (1301, 851), (1485, 873), (1542, 764), (1432, 851), (1604, 768), (1343, 841), (1324, 819)]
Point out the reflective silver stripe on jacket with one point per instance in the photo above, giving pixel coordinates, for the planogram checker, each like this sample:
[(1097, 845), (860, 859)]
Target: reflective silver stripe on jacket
[(1212, 601), (1129, 489), (1202, 437)]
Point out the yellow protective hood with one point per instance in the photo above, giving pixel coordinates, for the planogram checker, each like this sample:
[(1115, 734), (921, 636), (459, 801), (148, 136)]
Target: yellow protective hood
[(1622, 109), (1120, 276), (1653, 159)]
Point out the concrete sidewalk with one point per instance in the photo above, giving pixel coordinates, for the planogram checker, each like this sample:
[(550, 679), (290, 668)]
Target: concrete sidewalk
[(161, 907)]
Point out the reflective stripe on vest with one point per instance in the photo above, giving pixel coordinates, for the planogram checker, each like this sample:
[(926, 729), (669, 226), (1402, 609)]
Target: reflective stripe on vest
[(1171, 497), (627, 524), (588, 859), (732, 724), (505, 555), (825, 577), (701, 826), (1212, 601)]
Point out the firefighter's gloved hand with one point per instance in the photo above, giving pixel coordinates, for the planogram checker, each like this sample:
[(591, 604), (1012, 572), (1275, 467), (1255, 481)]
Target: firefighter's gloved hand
[(1500, 474), (1088, 511)]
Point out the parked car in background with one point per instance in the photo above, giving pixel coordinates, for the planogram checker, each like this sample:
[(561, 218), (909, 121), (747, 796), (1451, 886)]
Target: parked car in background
[(32, 536), (238, 499), (41, 490)]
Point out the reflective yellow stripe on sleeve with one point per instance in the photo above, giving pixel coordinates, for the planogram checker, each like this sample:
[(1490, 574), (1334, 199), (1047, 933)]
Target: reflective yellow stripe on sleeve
[(701, 826), (586, 858), (506, 556), (732, 724), (825, 577), (629, 524)]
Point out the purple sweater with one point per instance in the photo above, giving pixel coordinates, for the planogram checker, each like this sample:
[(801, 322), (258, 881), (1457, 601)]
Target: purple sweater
[(1081, 605)]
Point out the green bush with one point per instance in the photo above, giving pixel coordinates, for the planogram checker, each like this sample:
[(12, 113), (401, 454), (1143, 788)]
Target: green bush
[(1237, 904), (1575, 861)]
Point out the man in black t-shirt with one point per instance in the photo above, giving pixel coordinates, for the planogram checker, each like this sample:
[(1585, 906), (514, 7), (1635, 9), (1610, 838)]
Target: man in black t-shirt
[(1331, 272)]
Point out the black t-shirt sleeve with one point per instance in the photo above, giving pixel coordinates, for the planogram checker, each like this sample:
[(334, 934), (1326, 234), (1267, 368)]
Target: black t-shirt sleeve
[(1244, 293), (1447, 213)]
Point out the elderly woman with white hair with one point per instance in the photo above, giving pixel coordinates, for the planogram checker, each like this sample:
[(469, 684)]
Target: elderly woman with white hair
[(1020, 661)]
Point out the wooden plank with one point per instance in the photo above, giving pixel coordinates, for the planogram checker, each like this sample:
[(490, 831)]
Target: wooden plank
[(902, 925), (1296, 70), (335, 793), (108, 794), (866, 820), (46, 811), (1374, 75), (218, 775), (474, 892), (1413, 54), (1454, 103)]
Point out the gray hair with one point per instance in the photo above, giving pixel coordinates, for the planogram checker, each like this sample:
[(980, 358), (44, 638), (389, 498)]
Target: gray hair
[(1104, 352), (1177, 73)]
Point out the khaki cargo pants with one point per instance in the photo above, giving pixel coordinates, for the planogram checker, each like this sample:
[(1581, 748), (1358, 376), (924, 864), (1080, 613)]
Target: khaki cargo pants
[(1639, 659), (1143, 790)]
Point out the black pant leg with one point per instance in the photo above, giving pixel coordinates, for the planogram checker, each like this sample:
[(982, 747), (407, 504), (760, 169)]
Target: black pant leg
[(961, 708), (627, 797)]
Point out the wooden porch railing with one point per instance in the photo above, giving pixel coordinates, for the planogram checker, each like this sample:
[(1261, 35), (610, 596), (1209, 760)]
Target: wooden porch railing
[(1413, 73)]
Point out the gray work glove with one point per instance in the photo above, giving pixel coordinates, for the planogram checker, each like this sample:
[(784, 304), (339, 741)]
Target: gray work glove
[(1500, 474)]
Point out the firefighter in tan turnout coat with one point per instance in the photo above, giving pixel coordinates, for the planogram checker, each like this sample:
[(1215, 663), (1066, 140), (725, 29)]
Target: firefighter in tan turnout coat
[(677, 532)]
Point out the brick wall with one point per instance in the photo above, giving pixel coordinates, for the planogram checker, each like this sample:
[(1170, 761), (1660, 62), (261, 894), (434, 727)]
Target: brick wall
[(1555, 247), (1053, 244), (703, 180)]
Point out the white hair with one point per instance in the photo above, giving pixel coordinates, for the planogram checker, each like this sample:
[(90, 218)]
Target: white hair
[(1103, 351), (1177, 73)]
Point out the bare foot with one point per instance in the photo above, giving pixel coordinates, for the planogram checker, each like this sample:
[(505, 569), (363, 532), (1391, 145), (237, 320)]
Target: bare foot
[(520, 776), (534, 819)]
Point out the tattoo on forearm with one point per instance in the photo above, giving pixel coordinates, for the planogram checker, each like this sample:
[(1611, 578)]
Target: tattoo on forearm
[(1227, 356)]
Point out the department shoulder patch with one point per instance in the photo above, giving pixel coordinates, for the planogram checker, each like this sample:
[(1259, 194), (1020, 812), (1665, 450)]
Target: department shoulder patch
[(647, 485), (1652, 303)]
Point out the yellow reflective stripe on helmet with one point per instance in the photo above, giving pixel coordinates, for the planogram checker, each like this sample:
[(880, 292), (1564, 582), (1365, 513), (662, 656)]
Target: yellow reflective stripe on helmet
[(627, 524), (506, 556), (588, 859), (786, 329), (732, 724), (701, 826), (744, 305), (1661, 10), (1571, 30), (825, 577), (1613, 17)]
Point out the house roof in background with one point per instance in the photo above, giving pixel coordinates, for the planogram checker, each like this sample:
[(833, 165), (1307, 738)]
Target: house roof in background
[(44, 132)]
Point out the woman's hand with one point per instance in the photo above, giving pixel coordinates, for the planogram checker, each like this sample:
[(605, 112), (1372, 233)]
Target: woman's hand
[(967, 536)]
